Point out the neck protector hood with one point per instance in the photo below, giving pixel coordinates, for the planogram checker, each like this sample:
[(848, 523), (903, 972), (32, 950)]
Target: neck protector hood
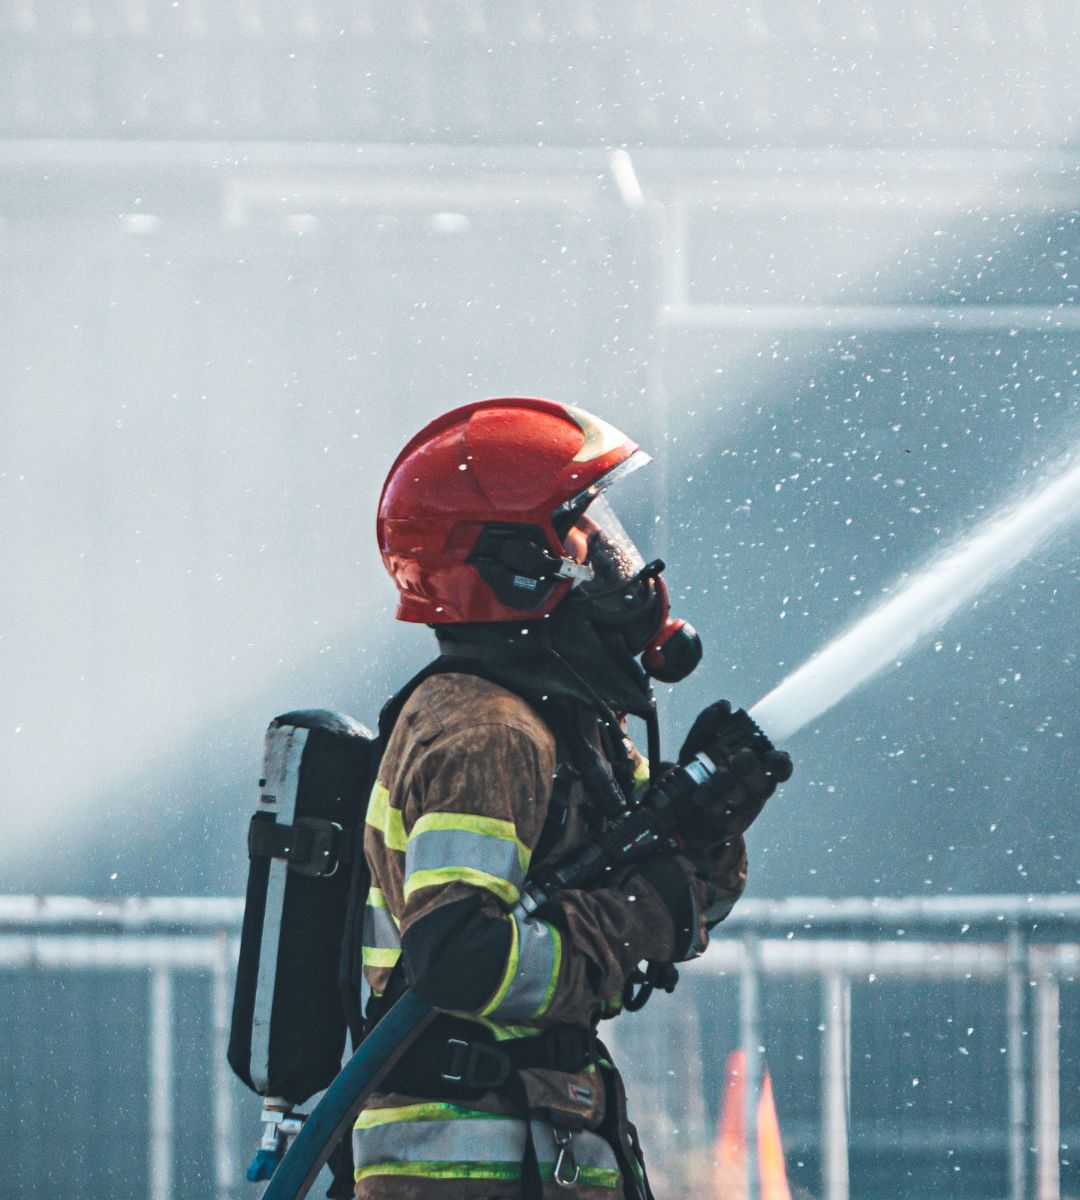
[(564, 656)]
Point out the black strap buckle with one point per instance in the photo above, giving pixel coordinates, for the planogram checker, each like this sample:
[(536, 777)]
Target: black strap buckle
[(476, 1065), (641, 984), (310, 846), (324, 852)]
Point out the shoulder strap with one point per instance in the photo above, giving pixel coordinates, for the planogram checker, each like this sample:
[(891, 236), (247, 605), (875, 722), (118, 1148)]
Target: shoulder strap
[(455, 664), (502, 674), (573, 749), (391, 710)]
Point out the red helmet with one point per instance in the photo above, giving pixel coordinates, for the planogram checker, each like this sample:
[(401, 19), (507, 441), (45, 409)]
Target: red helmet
[(474, 512)]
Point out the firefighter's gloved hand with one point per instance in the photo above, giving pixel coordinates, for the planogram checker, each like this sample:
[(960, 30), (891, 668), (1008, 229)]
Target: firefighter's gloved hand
[(746, 774), (687, 896)]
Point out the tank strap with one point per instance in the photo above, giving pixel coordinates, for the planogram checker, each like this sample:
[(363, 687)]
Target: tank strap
[(620, 1134), (310, 845)]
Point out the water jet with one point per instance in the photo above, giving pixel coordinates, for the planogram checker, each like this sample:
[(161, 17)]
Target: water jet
[(924, 602)]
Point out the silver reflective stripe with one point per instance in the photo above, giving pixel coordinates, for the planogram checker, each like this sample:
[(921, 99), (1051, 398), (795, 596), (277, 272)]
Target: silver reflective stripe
[(365, 992), (470, 1140), (536, 965), (437, 849), (281, 771), (380, 932)]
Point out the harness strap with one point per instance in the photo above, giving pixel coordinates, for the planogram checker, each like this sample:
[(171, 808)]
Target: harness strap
[(627, 1148), (532, 1186), (558, 806), (455, 1061)]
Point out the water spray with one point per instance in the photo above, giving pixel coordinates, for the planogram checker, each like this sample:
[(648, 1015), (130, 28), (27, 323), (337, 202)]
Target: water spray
[(925, 602)]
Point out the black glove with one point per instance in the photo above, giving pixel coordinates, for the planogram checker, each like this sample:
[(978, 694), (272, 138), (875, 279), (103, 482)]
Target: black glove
[(686, 896), (748, 769)]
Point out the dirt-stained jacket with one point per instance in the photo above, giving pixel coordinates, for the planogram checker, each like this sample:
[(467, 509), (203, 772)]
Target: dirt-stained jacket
[(452, 824)]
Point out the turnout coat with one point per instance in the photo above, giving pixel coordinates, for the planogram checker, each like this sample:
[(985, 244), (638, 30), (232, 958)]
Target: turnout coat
[(453, 827)]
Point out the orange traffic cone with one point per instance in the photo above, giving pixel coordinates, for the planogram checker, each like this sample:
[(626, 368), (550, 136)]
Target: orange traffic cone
[(729, 1160)]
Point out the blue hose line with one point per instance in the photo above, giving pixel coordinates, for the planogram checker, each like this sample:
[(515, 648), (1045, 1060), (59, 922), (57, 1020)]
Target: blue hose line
[(263, 1165), (335, 1113)]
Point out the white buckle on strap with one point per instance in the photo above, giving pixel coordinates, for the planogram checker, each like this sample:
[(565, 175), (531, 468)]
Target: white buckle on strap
[(578, 572)]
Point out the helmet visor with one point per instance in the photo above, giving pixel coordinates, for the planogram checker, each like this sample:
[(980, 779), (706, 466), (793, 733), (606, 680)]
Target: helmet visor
[(567, 512), (599, 540)]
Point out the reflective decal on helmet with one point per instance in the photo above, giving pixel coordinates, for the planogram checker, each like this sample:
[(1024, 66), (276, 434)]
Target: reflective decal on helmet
[(600, 437)]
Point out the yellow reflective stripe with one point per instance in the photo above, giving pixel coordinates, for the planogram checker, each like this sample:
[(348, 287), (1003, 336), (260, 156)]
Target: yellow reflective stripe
[(553, 983), (444, 1170), (492, 827), (612, 1007), (596, 1176), (430, 1110), (501, 1033), (505, 1032), (589, 1176), (507, 892), (375, 956), (386, 819), (437, 849), (509, 974)]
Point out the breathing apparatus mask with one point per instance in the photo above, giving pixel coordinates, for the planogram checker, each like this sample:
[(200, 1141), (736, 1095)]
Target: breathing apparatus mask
[(618, 590)]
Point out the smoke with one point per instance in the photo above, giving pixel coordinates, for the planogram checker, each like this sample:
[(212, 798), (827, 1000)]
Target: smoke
[(925, 602)]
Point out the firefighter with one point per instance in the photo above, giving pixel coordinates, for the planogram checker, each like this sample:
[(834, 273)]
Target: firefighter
[(509, 753)]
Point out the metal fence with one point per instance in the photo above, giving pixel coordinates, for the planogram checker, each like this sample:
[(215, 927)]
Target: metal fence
[(143, 1045), (152, 945), (916, 1047)]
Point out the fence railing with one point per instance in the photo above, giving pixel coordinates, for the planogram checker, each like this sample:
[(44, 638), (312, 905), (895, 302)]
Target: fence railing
[(925, 939), (1026, 945), (160, 937)]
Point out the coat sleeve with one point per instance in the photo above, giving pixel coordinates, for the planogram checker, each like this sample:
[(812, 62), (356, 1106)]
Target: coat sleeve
[(474, 807)]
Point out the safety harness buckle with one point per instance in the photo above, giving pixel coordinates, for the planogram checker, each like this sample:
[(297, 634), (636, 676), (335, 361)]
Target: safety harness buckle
[(475, 1065), (310, 846)]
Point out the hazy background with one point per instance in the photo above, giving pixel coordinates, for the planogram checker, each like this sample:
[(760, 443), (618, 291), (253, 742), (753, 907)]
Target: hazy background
[(820, 257), (247, 250)]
